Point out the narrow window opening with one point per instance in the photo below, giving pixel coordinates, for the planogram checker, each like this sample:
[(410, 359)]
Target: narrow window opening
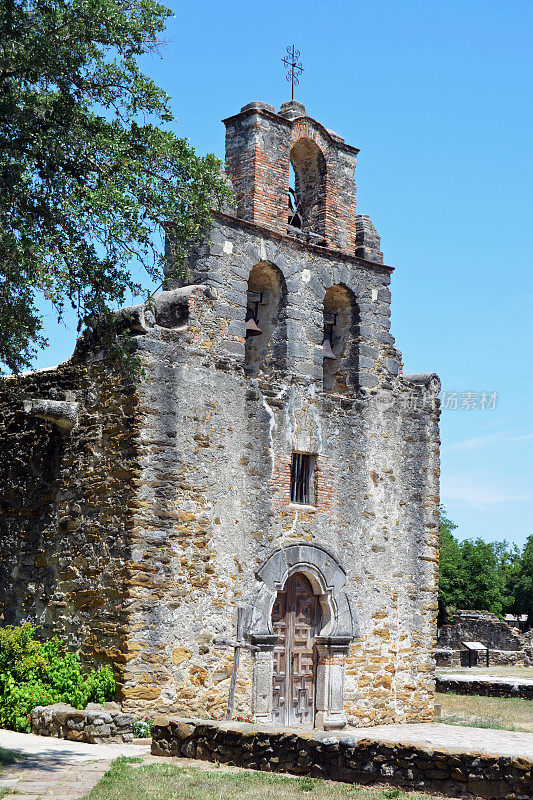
[(303, 479)]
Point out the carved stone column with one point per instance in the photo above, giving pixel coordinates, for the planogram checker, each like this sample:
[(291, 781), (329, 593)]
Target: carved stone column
[(332, 652), (262, 678)]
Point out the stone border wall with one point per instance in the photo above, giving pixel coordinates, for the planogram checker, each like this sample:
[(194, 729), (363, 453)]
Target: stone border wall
[(345, 758), (95, 724), (488, 688), (497, 658)]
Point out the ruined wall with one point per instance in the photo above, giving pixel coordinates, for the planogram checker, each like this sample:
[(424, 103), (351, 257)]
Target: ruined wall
[(64, 504), (497, 658), (212, 502), (480, 626), (96, 724)]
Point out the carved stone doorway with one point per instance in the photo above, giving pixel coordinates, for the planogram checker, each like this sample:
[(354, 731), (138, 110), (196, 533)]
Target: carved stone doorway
[(296, 621)]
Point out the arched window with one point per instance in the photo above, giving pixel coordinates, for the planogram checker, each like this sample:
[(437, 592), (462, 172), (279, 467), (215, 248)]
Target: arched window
[(307, 201), (340, 364), (266, 340)]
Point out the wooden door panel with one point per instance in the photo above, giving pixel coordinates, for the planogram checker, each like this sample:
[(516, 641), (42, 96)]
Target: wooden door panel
[(295, 621)]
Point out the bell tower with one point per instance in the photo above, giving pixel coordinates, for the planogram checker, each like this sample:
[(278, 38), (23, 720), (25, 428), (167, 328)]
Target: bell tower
[(260, 147)]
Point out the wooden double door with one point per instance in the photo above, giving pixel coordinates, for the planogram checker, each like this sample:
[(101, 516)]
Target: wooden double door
[(296, 621)]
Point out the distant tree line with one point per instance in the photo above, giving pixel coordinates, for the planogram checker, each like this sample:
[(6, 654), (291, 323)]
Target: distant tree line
[(475, 574)]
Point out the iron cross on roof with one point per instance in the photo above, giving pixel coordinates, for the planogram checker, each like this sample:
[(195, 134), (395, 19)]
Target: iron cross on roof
[(294, 67)]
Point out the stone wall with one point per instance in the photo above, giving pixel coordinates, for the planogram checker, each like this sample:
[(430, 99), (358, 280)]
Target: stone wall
[(489, 687), (343, 758), (137, 533), (497, 658), (64, 519), (95, 724), (213, 495), (480, 626)]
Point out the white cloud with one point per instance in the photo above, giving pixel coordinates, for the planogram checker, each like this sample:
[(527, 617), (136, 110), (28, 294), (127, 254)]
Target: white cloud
[(500, 437), (476, 494)]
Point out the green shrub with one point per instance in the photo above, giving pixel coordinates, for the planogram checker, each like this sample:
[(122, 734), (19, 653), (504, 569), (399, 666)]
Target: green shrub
[(142, 728), (34, 673)]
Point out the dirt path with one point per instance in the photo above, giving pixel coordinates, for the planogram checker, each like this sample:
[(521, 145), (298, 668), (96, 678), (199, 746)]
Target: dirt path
[(47, 767)]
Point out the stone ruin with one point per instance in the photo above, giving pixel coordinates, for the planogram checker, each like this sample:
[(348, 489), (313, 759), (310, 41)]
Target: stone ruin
[(507, 645)]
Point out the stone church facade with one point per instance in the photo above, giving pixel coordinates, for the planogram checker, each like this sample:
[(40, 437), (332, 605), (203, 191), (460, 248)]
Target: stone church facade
[(272, 459)]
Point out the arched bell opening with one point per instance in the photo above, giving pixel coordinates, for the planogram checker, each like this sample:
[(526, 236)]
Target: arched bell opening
[(265, 348), (341, 320), (307, 200)]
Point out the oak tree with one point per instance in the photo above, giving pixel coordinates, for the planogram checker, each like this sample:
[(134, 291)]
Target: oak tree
[(90, 168)]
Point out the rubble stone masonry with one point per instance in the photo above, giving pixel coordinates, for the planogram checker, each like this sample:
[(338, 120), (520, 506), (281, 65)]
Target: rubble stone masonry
[(138, 530)]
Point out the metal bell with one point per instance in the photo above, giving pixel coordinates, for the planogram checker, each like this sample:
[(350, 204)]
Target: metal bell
[(326, 347), (252, 328)]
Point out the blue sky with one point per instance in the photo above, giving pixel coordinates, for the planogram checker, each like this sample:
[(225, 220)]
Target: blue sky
[(438, 96)]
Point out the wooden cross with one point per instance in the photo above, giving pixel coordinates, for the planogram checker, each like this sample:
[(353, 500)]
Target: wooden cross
[(238, 644)]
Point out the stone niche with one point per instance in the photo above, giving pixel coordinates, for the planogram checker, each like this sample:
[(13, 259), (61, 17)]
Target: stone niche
[(266, 300)]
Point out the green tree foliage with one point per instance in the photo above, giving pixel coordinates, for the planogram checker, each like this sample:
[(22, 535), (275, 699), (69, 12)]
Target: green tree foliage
[(450, 567), (34, 673), (522, 577), (483, 578), (87, 170), (483, 575)]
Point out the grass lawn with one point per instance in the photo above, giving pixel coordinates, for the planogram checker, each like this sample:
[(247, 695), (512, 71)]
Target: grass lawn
[(129, 779), (496, 672), (8, 757), (505, 713)]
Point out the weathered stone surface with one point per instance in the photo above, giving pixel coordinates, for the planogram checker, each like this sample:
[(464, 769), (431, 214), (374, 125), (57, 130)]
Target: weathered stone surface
[(342, 758), (139, 533), (480, 626), (94, 724), (495, 687)]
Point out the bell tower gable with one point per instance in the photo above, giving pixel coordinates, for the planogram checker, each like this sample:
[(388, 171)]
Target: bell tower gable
[(261, 145)]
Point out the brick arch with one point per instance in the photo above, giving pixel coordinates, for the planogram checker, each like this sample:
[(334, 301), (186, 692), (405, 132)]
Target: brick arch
[(307, 128), (338, 223), (310, 170)]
